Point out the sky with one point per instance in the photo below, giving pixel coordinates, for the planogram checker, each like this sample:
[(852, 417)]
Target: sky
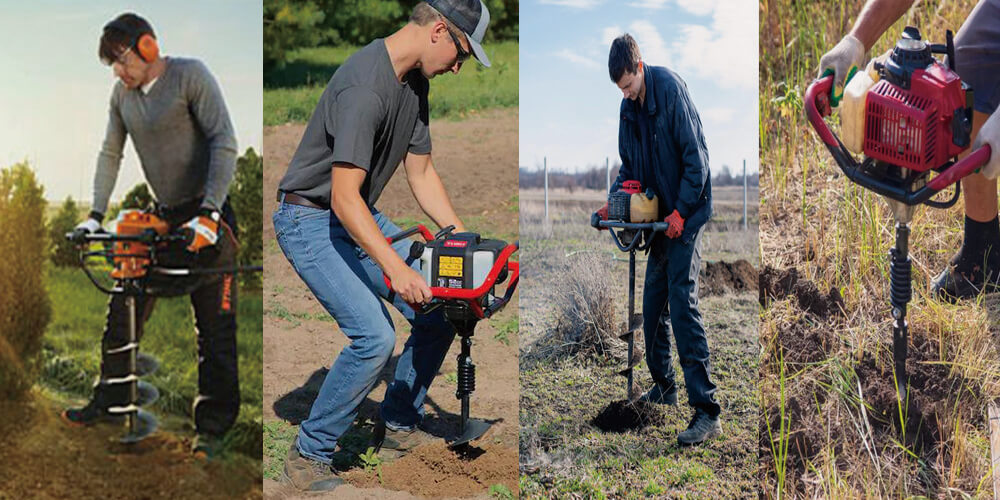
[(54, 90), (569, 106)]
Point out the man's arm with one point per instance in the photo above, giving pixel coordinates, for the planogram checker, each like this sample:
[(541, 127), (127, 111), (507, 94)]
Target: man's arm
[(209, 109), (429, 191), (110, 158), (876, 17), (353, 213), (690, 141)]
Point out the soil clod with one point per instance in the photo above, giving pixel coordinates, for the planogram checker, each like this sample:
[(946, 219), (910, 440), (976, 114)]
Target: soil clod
[(718, 278), (776, 285), (623, 416)]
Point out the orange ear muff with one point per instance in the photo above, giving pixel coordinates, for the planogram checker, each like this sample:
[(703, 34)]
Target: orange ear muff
[(147, 48)]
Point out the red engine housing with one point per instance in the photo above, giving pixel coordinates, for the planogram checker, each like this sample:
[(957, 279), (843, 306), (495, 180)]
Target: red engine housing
[(912, 128)]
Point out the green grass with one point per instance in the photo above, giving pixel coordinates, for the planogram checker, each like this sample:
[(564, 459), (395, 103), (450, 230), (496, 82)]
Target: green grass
[(73, 340), (291, 93)]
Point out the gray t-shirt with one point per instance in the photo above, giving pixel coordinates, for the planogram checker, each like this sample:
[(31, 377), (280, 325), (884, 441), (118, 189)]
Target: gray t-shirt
[(182, 133), (365, 117)]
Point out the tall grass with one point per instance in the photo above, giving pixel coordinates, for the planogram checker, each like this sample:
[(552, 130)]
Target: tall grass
[(838, 235)]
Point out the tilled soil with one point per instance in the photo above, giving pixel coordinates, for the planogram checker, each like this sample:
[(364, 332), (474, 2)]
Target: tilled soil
[(477, 162), (776, 285), (35, 444), (435, 470)]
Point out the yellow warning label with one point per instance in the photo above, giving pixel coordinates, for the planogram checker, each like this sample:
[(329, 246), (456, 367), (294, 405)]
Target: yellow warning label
[(450, 266)]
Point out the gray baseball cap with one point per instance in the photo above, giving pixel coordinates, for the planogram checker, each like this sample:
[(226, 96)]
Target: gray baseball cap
[(470, 16)]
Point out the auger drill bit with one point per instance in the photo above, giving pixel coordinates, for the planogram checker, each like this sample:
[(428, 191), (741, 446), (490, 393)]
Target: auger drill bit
[(634, 324), (470, 429), (140, 422), (900, 285)]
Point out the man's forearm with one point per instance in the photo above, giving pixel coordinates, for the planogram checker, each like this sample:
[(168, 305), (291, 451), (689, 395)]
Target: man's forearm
[(353, 213), (876, 17), (433, 199)]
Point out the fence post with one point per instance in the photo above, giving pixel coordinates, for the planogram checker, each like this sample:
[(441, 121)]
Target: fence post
[(607, 169), (545, 166), (745, 222)]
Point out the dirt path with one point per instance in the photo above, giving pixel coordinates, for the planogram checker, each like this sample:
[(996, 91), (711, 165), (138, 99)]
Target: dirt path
[(476, 159), (36, 446)]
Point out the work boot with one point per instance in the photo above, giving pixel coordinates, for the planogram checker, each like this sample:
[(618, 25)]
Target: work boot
[(393, 443), (207, 446), (701, 428), (307, 474), (660, 396), (975, 269), (93, 413)]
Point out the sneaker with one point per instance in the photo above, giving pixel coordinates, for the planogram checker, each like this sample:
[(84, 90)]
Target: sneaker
[(702, 427), (307, 474), (660, 396), (91, 414), (207, 446)]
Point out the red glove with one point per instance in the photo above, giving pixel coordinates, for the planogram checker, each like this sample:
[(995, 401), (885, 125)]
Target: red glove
[(676, 225), (598, 216)]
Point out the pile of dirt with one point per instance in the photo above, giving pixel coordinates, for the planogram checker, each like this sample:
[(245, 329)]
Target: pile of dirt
[(776, 285), (43, 457), (432, 469), (718, 278), (624, 416)]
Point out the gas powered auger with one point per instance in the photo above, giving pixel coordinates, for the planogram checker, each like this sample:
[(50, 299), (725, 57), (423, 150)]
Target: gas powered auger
[(134, 250), (462, 271), (629, 211), (909, 116)]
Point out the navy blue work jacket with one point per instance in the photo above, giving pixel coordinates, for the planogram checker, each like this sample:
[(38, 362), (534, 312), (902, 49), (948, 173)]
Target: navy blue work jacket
[(676, 167)]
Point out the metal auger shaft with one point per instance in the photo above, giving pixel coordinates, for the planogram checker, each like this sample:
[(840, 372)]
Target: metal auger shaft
[(901, 287), (631, 314)]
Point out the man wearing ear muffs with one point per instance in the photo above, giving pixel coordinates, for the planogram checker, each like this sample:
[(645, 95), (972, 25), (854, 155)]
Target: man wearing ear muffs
[(175, 114)]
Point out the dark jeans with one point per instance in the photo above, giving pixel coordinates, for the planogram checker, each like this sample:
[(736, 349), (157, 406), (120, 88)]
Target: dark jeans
[(215, 305), (670, 299)]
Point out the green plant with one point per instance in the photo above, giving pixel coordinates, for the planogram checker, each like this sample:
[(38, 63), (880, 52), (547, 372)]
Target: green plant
[(500, 492), (371, 462), (64, 252)]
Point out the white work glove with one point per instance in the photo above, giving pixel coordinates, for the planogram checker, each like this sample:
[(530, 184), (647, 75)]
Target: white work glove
[(989, 134), (847, 53), (88, 226)]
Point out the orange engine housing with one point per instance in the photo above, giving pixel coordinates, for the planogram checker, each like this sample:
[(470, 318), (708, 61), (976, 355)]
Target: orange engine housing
[(132, 257)]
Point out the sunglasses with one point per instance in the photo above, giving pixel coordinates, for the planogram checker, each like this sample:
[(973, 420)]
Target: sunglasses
[(463, 55)]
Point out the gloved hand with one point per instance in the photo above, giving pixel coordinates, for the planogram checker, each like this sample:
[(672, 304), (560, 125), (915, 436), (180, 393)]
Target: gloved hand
[(205, 227), (598, 216), (989, 134), (676, 225), (847, 53), (91, 225)]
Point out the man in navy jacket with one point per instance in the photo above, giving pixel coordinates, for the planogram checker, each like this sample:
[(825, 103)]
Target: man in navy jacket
[(661, 144)]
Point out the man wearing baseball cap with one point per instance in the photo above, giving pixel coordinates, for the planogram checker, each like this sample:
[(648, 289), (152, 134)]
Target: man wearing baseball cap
[(372, 115)]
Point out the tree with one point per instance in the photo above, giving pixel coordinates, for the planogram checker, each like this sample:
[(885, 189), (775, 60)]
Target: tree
[(246, 197), (64, 252), (24, 305)]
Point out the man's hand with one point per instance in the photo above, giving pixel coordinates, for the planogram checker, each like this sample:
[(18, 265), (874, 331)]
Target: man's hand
[(676, 225), (410, 285), (205, 227), (847, 53), (89, 226), (989, 134), (598, 216)]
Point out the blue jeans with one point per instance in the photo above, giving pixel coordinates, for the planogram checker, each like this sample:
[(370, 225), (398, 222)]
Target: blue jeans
[(351, 287)]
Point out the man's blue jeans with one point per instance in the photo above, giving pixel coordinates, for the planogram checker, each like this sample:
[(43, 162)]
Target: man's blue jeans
[(350, 285)]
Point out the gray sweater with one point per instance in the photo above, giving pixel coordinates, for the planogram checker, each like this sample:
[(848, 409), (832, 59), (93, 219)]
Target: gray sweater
[(181, 132)]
